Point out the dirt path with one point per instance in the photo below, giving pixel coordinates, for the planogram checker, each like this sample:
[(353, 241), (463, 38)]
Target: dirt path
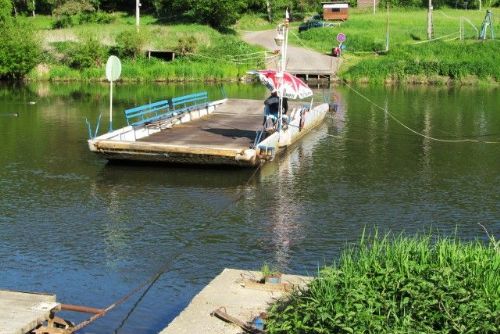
[(299, 60)]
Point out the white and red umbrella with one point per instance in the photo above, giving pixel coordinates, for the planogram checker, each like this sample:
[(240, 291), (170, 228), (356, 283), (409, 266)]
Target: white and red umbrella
[(292, 88)]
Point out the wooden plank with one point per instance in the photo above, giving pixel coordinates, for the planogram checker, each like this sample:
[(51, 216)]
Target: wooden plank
[(20, 312), (231, 126)]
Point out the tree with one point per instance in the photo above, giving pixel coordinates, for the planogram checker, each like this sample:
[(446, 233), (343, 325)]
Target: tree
[(19, 51), (5, 12), (217, 13)]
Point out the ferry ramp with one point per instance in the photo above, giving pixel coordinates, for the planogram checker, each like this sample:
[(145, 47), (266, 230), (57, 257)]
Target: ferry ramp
[(299, 61)]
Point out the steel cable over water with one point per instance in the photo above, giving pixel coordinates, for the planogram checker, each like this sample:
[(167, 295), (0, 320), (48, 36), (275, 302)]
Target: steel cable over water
[(386, 111), (150, 282)]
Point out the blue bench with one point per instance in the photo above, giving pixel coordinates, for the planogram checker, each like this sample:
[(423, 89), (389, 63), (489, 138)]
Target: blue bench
[(147, 113), (176, 106), (190, 102)]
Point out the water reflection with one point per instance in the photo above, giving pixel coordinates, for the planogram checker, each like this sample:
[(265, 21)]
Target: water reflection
[(284, 205)]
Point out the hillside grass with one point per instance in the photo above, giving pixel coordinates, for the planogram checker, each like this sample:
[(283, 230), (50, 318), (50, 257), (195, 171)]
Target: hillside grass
[(399, 285), (215, 56), (410, 58)]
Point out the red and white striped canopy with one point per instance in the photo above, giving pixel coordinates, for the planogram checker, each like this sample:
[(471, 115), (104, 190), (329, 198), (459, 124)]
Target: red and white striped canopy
[(292, 88)]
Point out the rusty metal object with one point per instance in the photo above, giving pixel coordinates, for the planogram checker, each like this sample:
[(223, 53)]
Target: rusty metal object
[(221, 313), (55, 325), (81, 309)]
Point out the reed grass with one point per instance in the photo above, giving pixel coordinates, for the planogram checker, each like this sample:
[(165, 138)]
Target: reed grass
[(144, 70), (399, 285)]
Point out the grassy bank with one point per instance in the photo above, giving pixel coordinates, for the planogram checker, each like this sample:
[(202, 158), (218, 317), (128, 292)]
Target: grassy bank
[(406, 285), (202, 53), (411, 58)]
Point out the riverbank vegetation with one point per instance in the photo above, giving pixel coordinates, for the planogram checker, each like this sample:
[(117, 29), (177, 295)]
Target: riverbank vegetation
[(401, 285), (79, 35), (410, 57), (201, 53), (19, 49)]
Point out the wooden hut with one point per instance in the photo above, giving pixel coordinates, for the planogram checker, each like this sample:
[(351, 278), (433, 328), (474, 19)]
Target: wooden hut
[(335, 10)]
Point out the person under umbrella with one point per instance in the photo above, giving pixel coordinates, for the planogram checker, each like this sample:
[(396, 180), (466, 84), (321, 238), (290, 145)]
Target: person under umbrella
[(271, 107)]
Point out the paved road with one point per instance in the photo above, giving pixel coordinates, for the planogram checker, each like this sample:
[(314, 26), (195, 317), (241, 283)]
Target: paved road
[(299, 60)]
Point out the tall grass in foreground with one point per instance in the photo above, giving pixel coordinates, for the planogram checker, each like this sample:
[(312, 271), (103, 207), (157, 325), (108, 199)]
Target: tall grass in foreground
[(405, 285)]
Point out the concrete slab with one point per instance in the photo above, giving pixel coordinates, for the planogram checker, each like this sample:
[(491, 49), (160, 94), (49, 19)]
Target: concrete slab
[(20, 312), (228, 290)]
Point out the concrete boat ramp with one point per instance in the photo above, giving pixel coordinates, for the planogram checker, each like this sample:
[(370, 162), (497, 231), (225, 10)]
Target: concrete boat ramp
[(21, 312), (236, 293)]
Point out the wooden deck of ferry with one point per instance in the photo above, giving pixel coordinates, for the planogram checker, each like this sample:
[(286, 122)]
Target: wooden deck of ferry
[(232, 125)]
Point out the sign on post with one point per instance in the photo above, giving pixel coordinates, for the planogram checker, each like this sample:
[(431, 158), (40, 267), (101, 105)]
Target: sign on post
[(341, 37), (113, 71)]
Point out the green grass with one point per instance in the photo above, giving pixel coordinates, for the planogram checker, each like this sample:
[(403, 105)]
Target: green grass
[(364, 59), (423, 63), (217, 57), (144, 70), (401, 285)]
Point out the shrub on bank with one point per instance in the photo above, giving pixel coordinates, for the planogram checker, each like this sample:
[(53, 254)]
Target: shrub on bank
[(130, 43), (20, 51), (406, 285), (87, 53)]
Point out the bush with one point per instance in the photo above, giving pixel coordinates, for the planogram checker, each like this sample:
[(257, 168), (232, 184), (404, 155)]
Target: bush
[(408, 285), (75, 12), (5, 12), (20, 51), (87, 53), (130, 44), (186, 44)]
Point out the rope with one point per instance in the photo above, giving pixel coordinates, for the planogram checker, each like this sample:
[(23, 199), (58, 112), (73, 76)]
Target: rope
[(435, 39), (149, 283), (241, 61), (464, 140)]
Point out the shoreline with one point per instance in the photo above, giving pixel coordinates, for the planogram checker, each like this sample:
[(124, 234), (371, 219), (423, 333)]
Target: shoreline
[(432, 81)]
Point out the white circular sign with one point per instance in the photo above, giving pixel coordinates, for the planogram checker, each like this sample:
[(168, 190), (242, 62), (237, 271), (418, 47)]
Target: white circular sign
[(113, 68)]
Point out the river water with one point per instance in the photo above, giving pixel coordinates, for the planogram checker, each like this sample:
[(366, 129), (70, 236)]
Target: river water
[(91, 232)]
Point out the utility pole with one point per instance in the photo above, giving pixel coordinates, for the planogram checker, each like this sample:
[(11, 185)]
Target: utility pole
[(387, 28), (137, 13), (429, 21), (269, 14)]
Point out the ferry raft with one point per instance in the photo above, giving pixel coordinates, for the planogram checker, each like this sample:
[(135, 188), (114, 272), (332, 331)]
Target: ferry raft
[(191, 129)]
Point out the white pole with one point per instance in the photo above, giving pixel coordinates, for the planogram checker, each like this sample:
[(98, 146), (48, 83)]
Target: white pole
[(137, 14), (374, 5), (110, 106), (282, 73), (429, 21)]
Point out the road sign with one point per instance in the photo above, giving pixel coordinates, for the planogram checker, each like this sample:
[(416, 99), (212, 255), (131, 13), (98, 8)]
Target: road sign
[(113, 68), (341, 37)]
